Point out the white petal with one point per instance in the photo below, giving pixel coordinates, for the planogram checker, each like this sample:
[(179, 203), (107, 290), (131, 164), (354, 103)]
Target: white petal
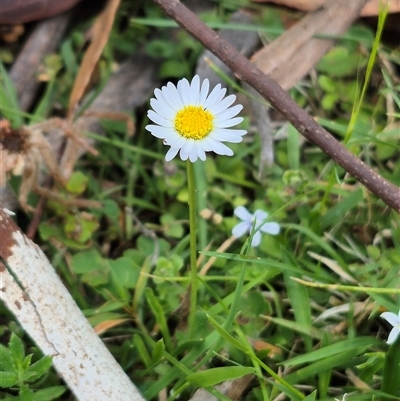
[(196, 153), (205, 87), (163, 109), (271, 228), (194, 90), (176, 141), (215, 97), (206, 143), (156, 118), (241, 229), (228, 113), (201, 153), (162, 132), (223, 105), (393, 335), (228, 135), (172, 96), (172, 152), (159, 95), (156, 130), (243, 214), (228, 123), (186, 149), (221, 149), (184, 90), (223, 135), (184, 156), (188, 146), (392, 318), (256, 239)]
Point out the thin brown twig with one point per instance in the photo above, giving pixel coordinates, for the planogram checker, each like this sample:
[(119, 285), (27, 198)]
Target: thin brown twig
[(281, 101), (38, 213)]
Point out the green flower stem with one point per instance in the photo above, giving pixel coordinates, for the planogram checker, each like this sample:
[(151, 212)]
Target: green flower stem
[(193, 246), (348, 287)]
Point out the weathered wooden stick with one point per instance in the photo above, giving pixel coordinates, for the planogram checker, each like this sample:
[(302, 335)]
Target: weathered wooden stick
[(31, 289)]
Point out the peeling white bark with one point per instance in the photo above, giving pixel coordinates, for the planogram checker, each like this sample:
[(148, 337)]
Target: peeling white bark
[(32, 291)]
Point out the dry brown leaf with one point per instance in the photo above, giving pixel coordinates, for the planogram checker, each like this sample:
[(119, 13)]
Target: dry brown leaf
[(291, 56), (100, 32), (108, 324), (258, 345), (371, 8)]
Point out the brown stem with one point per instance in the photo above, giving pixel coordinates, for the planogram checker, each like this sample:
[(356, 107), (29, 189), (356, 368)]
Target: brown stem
[(281, 100)]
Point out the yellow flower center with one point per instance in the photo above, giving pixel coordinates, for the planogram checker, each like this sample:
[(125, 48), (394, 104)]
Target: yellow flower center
[(193, 122)]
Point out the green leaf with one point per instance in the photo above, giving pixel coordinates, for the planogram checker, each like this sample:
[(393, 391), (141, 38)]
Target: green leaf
[(311, 397), (8, 379), (167, 267), (326, 83), (141, 347), (26, 362), (300, 328), (172, 227), (94, 268), (324, 378), (50, 393), (26, 394), (386, 150), (96, 278), (111, 209), (87, 261), (77, 183), (48, 230), (6, 362), (160, 316), (342, 358), (210, 377), (38, 369), (171, 68), (16, 349), (125, 271), (224, 334), (339, 211), (293, 147), (158, 352), (333, 349), (317, 240), (339, 62), (299, 298), (9, 106), (329, 100), (391, 370), (80, 228)]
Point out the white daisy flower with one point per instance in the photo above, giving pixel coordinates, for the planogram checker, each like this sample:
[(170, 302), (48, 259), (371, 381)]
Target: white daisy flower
[(257, 219), (394, 320), (192, 121)]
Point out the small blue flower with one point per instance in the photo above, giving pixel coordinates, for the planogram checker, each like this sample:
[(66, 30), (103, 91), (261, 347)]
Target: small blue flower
[(257, 219), (394, 320)]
